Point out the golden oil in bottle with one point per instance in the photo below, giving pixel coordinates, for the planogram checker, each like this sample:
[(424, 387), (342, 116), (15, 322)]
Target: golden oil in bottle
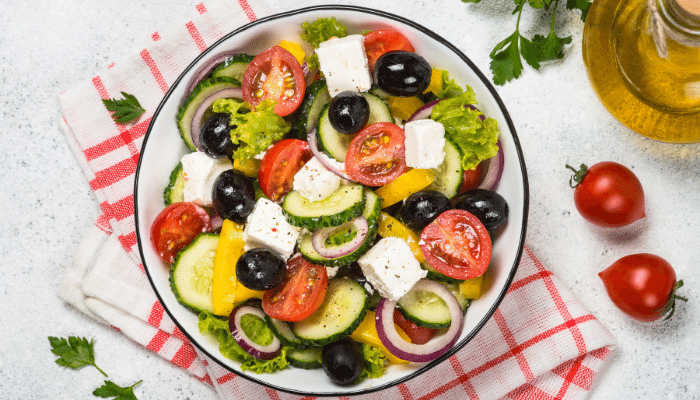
[(643, 60)]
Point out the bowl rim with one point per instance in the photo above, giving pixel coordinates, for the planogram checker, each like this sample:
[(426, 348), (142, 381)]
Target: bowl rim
[(458, 346)]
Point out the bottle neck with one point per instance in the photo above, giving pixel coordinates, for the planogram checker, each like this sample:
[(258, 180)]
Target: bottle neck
[(682, 16)]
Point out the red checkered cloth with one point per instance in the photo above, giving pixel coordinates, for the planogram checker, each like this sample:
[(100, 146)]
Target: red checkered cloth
[(540, 344)]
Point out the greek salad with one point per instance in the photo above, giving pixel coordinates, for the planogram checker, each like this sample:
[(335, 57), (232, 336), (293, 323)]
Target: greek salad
[(336, 210)]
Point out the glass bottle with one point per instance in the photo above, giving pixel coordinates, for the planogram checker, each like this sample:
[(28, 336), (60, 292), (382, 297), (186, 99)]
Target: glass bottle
[(643, 61)]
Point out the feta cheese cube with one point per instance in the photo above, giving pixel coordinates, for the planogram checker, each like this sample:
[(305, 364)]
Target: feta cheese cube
[(267, 227), (343, 62), (200, 172), (315, 182), (391, 268), (425, 143)]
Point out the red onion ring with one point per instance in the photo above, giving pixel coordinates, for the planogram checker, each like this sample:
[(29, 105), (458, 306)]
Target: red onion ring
[(206, 68), (258, 351), (494, 171), (196, 123), (313, 144), (216, 222), (318, 240), (420, 353), (423, 112)]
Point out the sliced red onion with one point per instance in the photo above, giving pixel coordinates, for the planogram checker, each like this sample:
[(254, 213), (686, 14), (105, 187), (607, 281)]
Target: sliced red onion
[(419, 352), (494, 171), (258, 351), (423, 112), (318, 240), (206, 68), (324, 159), (196, 124), (216, 222)]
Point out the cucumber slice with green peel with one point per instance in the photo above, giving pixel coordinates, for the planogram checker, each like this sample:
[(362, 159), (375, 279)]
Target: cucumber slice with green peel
[(200, 93), (305, 358), (449, 175), (342, 310), (437, 276), (175, 191), (284, 333), (463, 301), (335, 143), (425, 309), (192, 271), (233, 67), (316, 98), (340, 207)]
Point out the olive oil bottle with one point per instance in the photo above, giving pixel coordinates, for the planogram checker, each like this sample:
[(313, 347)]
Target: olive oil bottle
[(643, 61)]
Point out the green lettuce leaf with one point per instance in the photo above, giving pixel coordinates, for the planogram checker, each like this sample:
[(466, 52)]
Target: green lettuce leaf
[(321, 30), (375, 362), (253, 131), (476, 139), (450, 88), (218, 328)]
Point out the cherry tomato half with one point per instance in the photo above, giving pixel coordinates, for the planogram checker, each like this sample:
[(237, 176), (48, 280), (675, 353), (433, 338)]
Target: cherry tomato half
[(642, 286), (376, 155), (417, 334), (472, 179), (176, 226), (457, 244), (279, 165), (300, 295), (608, 194), (385, 40), (274, 74)]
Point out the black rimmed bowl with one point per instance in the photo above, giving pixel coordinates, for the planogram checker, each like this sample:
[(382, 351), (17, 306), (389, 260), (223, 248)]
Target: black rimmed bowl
[(163, 148)]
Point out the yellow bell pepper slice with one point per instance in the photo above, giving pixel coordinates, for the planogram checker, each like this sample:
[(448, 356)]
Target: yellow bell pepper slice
[(435, 81), (404, 186), (225, 289), (392, 227), (366, 333), (295, 49), (403, 107), (249, 169), (471, 288)]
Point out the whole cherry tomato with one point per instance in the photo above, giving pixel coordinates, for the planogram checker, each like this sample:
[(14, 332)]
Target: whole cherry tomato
[(607, 194), (643, 286)]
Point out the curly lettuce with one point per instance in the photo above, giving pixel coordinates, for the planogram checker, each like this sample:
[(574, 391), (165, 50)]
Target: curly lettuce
[(375, 362), (321, 30), (253, 131), (476, 139), (448, 88)]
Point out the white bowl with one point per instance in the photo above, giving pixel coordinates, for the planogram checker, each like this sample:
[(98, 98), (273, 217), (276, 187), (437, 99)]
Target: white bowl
[(162, 150)]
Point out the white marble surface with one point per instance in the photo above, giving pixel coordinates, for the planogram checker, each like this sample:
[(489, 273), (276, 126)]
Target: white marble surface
[(46, 205)]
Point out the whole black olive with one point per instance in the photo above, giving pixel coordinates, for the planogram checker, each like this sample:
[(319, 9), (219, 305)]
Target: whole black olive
[(233, 196), (348, 112), (215, 137), (421, 208), (261, 269), (490, 207), (402, 73), (342, 361)]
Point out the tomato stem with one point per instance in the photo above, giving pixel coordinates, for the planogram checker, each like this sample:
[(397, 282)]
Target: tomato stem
[(578, 175), (671, 305)]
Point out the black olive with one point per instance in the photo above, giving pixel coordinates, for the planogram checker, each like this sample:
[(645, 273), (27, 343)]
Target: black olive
[(215, 137), (348, 112), (342, 361), (488, 206), (261, 269), (233, 196), (355, 272), (402, 73), (421, 208)]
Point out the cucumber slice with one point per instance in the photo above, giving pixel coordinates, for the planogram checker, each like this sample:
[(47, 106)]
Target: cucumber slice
[(425, 309), (449, 175), (463, 301), (373, 207), (437, 276), (175, 191), (192, 271), (342, 310), (335, 143), (340, 207), (315, 99), (233, 67), (306, 358), (284, 333), (201, 92)]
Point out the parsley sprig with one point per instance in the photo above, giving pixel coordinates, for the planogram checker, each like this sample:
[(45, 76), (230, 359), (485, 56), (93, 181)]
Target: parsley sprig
[(111, 389), (506, 63), (74, 352), (126, 109)]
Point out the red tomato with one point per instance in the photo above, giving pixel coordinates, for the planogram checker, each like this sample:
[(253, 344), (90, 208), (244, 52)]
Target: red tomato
[(382, 41), (176, 226), (376, 155), (457, 244), (274, 74), (300, 295), (417, 334), (279, 165), (643, 286), (608, 194), (472, 179)]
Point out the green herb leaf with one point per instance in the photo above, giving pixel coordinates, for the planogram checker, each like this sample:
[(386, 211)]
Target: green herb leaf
[(471, 1), (110, 389), (505, 60), (583, 5), (74, 352), (126, 109), (551, 47)]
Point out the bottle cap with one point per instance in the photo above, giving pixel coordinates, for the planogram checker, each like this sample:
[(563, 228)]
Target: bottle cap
[(687, 9)]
